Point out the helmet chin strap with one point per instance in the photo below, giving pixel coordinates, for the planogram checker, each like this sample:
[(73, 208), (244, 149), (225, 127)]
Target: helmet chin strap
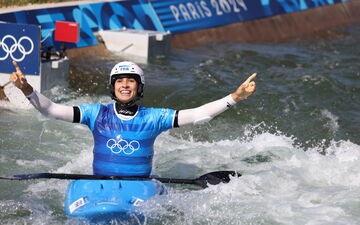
[(127, 104)]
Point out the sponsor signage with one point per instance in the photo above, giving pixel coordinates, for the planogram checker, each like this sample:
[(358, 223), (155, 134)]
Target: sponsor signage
[(20, 43)]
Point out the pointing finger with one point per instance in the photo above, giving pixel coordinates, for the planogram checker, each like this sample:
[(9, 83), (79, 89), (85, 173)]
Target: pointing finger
[(250, 78), (18, 70)]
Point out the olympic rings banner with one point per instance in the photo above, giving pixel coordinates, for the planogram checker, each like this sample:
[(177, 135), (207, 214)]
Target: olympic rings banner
[(20, 43)]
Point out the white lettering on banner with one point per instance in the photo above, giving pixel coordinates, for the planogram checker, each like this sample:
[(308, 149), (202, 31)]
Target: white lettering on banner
[(242, 4), (193, 11), (206, 9), (215, 5), (200, 9), (175, 12), (184, 12)]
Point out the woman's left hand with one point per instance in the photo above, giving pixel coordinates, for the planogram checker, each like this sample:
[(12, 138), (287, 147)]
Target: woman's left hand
[(245, 89)]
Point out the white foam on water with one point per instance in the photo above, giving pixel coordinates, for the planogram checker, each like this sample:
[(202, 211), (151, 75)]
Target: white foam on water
[(81, 163), (332, 120), (49, 194), (33, 163), (281, 183)]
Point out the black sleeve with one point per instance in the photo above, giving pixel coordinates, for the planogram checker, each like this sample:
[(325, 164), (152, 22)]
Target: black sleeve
[(176, 124), (76, 114)]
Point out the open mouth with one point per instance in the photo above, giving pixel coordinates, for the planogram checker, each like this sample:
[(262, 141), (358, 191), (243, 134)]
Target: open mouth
[(125, 92)]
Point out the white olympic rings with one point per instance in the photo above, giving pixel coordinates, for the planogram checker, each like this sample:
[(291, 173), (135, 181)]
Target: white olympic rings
[(16, 45), (122, 146)]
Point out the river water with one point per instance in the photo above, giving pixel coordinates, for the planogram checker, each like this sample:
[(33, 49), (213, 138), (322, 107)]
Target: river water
[(296, 140)]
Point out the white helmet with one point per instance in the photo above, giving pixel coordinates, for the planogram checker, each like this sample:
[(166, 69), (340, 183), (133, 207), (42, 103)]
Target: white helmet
[(127, 69)]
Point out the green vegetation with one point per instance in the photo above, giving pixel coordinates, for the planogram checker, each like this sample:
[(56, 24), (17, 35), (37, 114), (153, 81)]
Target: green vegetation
[(8, 3)]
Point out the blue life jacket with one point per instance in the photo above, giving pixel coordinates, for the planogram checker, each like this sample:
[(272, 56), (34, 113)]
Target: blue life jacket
[(124, 147)]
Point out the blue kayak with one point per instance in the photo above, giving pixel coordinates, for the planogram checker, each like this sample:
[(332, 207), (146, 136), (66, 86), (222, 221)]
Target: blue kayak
[(105, 200)]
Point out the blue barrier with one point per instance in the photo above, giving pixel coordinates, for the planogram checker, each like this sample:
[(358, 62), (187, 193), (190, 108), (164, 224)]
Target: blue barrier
[(176, 16), (20, 43), (180, 16)]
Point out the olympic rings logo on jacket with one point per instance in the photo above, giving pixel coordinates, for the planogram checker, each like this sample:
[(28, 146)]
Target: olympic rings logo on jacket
[(16, 45), (119, 145)]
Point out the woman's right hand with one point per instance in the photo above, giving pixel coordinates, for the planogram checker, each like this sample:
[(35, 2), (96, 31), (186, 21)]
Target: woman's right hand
[(20, 81)]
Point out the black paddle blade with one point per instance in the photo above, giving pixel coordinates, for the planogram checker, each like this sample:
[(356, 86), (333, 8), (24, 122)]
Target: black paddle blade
[(24, 176), (216, 177), (9, 178)]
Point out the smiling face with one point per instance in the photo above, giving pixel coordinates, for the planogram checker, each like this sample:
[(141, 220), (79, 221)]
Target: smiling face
[(125, 89)]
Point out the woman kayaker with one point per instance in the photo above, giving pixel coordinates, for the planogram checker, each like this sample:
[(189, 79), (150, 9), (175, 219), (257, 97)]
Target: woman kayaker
[(124, 132)]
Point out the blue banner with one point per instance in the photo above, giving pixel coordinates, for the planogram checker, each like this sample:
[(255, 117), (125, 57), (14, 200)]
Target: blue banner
[(20, 43), (178, 16), (113, 15)]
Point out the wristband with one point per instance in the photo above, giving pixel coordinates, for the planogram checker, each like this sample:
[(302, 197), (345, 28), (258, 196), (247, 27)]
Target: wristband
[(30, 95), (229, 101)]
